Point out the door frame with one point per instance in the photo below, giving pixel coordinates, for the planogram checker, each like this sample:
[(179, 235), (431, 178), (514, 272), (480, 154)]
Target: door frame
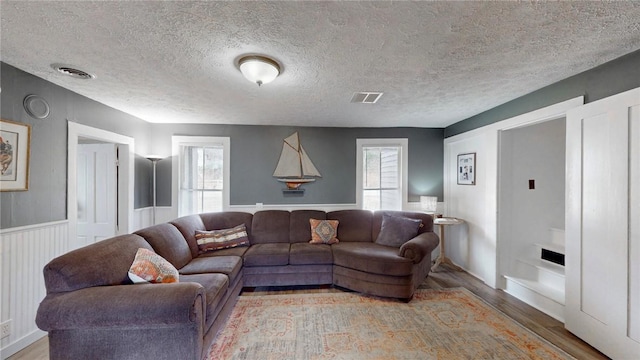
[(483, 227), (125, 176)]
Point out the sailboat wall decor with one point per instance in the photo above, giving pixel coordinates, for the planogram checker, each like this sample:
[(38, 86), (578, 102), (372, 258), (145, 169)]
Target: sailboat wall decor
[(294, 166)]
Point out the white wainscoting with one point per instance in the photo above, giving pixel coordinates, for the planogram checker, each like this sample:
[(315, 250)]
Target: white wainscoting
[(24, 252), (143, 217), (291, 207), (409, 206)]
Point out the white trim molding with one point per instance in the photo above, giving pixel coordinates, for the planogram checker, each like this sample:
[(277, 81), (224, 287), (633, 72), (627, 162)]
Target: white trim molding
[(176, 142), (403, 143), (125, 180)]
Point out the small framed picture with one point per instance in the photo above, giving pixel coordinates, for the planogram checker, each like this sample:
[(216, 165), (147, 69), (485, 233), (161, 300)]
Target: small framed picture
[(467, 169), (14, 156)]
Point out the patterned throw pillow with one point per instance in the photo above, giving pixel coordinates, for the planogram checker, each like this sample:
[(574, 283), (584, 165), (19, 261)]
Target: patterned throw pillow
[(222, 239), (324, 231), (149, 267), (397, 230)]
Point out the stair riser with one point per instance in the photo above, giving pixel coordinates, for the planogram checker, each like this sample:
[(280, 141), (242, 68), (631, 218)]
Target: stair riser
[(530, 272), (535, 299)]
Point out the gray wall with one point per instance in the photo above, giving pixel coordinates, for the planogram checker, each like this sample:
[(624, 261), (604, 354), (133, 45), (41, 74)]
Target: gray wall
[(46, 199), (255, 151), (611, 78)]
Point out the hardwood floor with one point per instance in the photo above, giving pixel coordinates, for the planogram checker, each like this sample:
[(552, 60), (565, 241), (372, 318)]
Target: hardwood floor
[(534, 320)]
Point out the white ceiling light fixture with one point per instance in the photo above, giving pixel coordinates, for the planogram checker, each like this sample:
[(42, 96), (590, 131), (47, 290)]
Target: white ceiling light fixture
[(259, 69)]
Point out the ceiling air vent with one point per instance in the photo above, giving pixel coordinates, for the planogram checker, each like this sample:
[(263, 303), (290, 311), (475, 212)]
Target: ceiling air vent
[(366, 97), (73, 72)]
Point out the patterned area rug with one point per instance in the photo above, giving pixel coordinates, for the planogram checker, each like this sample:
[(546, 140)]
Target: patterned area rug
[(436, 324)]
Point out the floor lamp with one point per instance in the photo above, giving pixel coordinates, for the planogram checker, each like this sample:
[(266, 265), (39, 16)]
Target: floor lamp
[(154, 160)]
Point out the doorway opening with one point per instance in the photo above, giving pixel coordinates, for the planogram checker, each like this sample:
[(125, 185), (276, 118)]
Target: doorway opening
[(93, 156), (531, 196)]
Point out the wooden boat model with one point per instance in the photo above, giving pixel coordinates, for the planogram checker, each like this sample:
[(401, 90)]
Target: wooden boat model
[(294, 166)]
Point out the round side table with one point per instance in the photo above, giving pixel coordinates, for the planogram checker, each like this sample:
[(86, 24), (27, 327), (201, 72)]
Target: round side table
[(442, 258)]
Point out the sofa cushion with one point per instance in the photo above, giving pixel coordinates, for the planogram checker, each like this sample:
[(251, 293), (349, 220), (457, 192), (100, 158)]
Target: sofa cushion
[(103, 263), (270, 226), (228, 265), (168, 242), (371, 258), (215, 286), (355, 225), (324, 231), (310, 254), (212, 240), (149, 267), (188, 225), (299, 229), (236, 251), (226, 220), (397, 230), (267, 255)]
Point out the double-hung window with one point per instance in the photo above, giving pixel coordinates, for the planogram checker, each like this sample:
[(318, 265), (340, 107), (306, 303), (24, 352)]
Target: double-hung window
[(202, 174), (381, 173)]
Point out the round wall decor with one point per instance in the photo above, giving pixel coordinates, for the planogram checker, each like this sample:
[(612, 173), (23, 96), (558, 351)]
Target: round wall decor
[(36, 106)]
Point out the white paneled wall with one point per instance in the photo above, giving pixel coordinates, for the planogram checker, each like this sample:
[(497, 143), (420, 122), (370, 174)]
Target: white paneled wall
[(24, 252), (602, 223)]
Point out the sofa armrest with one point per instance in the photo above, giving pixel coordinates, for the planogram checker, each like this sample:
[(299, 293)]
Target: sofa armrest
[(137, 306), (420, 246)]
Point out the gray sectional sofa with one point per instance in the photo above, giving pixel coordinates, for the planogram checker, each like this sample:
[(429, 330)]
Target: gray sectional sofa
[(93, 311)]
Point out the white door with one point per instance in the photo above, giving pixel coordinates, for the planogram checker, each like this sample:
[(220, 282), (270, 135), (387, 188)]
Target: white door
[(97, 192), (603, 224)]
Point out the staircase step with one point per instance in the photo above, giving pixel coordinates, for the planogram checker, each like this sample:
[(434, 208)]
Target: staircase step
[(536, 270), (544, 298), (542, 265)]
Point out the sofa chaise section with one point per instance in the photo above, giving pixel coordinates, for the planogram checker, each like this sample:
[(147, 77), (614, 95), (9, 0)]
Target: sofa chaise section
[(92, 311), (365, 266), (221, 277)]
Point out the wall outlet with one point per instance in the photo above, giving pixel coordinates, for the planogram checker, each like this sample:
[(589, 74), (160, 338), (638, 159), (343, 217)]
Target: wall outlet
[(5, 329)]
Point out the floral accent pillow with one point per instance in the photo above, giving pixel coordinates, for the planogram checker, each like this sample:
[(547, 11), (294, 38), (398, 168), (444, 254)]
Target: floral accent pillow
[(149, 267), (324, 231), (222, 239)]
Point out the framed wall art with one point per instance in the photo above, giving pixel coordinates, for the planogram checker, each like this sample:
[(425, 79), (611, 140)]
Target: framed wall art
[(467, 169), (14, 156)]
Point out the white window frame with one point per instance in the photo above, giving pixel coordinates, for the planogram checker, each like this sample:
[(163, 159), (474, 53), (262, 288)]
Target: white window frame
[(404, 165), (176, 142)]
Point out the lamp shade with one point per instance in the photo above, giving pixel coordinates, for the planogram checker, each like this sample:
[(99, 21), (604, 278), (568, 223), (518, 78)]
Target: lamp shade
[(259, 69), (429, 203), (154, 157)]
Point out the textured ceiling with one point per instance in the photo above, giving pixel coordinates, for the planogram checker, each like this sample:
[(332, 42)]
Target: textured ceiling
[(436, 62)]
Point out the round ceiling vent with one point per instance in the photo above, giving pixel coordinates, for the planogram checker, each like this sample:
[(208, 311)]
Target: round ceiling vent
[(73, 72)]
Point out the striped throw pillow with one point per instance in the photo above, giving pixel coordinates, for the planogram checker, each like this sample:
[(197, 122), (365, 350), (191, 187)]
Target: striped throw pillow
[(222, 239)]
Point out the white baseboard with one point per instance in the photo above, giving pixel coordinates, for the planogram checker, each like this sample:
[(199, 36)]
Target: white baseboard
[(22, 343)]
